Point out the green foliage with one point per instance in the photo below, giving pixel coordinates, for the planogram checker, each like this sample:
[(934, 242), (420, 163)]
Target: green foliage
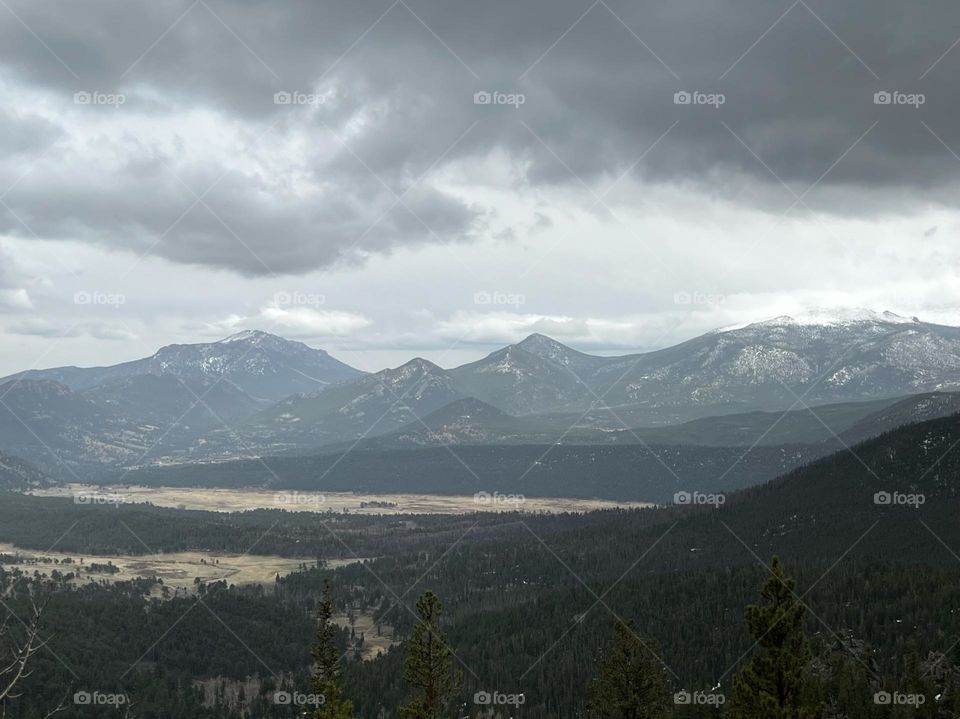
[(775, 683), (429, 666), (632, 683), (326, 675)]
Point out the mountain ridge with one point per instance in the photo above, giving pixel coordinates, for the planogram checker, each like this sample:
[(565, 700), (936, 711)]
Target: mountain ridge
[(265, 366), (145, 410)]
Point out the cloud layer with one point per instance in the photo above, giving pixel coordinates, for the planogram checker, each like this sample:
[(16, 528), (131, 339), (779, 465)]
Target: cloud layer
[(381, 142)]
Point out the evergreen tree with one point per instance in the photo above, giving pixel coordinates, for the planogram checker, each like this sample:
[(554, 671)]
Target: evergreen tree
[(775, 683), (326, 676), (632, 683), (429, 666)]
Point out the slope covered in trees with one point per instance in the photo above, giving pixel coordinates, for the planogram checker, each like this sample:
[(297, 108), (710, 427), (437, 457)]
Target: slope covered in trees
[(868, 535)]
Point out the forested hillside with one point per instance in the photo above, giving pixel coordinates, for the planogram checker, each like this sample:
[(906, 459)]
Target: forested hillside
[(530, 600)]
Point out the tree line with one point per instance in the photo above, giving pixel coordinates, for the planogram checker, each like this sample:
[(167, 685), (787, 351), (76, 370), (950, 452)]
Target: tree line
[(780, 676)]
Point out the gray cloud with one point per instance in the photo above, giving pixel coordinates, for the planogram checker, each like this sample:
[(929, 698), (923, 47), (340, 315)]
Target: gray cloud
[(13, 285), (39, 327), (599, 92)]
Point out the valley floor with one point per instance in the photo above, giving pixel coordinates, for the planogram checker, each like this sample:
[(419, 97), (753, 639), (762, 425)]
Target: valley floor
[(240, 500), (178, 570)]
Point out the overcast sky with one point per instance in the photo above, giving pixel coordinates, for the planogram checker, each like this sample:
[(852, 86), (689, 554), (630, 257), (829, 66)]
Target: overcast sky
[(441, 177)]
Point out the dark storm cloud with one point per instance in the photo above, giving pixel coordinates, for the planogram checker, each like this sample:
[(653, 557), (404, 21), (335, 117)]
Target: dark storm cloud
[(399, 79)]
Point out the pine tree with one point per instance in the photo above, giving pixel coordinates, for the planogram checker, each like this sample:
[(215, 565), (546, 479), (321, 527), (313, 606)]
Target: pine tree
[(632, 683), (775, 683), (326, 676), (429, 666)]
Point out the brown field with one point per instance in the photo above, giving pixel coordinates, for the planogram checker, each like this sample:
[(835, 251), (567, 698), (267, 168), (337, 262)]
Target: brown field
[(373, 646), (177, 569), (239, 500)]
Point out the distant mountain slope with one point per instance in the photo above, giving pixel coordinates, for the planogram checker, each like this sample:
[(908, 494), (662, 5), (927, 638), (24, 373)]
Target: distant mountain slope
[(819, 423), (71, 435), (374, 404), (521, 382), (164, 399), (262, 365), (891, 496), (15, 474), (463, 421), (277, 396), (766, 365), (54, 428), (549, 349), (907, 411), (470, 421), (625, 472)]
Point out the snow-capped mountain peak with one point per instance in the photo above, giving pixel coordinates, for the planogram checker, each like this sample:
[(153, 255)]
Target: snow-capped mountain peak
[(827, 317), (264, 340), (247, 336)]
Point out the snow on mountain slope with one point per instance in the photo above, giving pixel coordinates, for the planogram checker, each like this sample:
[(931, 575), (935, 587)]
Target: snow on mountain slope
[(521, 382), (114, 415), (372, 405), (15, 474), (263, 365), (822, 316), (832, 357)]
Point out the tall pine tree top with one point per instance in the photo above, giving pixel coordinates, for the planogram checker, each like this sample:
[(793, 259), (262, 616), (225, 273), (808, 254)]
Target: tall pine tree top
[(775, 683), (632, 683), (429, 666), (326, 676)]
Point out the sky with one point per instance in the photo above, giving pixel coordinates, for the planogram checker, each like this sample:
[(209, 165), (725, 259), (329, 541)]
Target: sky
[(440, 178)]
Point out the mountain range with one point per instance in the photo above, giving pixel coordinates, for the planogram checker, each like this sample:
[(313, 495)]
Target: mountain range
[(262, 365), (255, 394)]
